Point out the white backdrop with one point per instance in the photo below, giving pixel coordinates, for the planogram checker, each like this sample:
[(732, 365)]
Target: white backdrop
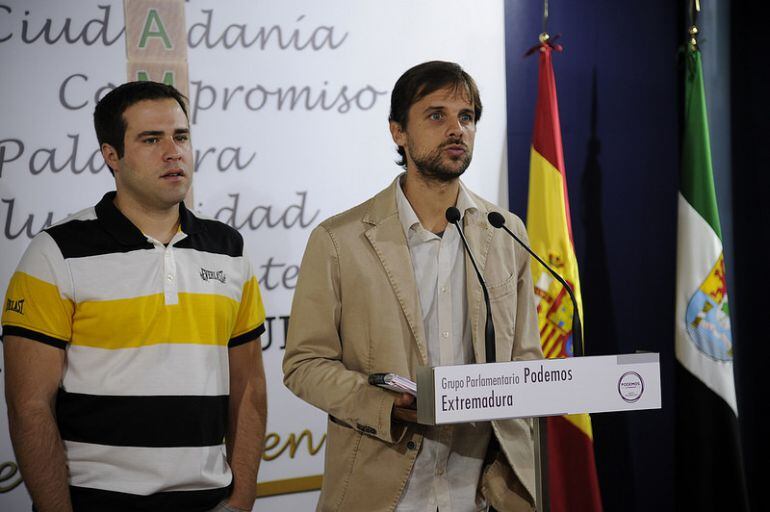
[(289, 104)]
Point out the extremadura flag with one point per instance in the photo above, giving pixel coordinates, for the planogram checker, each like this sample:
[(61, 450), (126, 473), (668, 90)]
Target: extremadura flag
[(709, 467)]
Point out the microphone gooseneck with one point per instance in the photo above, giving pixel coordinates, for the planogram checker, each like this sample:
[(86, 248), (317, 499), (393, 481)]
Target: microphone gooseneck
[(453, 216), (498, 221)]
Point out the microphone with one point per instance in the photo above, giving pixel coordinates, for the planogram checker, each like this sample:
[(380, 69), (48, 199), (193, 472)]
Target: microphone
[(498, 221), (453, 216)]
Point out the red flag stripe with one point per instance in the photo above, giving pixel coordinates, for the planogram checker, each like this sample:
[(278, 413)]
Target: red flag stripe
[(572, 485), (546, 139)]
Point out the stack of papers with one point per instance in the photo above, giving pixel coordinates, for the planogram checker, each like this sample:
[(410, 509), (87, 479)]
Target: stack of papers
[(393, 382)]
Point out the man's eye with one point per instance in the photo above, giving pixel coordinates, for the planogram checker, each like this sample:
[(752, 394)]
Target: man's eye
[(151, 140), (466, 118), (435, 116), (182, 138)]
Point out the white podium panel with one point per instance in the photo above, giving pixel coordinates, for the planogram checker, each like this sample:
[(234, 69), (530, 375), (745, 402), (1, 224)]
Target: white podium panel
[(546, 387)]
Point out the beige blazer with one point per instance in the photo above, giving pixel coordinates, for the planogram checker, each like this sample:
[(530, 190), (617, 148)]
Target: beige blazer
[(356, 311)]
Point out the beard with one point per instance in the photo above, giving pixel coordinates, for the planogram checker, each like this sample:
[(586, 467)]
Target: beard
[(433, 164)]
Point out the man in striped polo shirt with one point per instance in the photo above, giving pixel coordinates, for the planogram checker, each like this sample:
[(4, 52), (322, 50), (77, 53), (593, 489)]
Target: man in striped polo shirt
[(134, 375)]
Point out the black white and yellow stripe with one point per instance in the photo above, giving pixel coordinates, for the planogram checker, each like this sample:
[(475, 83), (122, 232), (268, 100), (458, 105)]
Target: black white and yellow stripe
[(146, 328)]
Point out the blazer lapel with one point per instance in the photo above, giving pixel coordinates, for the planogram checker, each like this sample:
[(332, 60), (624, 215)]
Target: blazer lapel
[(389, 242)]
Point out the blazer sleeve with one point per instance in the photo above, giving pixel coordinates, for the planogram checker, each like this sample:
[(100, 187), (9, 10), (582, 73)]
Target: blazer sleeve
[(313, 360)]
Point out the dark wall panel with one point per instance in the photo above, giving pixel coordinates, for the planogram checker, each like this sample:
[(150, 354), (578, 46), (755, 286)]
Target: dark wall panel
[(618, 85)]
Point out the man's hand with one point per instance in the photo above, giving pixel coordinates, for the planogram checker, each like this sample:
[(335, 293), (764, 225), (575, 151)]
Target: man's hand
[(405, 408)]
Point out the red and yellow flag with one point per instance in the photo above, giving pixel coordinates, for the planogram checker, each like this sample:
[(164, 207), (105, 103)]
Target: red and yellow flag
[(572, 482)]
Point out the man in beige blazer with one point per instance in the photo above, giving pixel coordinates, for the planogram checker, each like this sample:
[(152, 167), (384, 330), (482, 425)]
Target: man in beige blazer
[(387, 287)]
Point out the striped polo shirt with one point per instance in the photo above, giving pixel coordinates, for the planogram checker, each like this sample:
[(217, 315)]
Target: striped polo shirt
[(146, 327)]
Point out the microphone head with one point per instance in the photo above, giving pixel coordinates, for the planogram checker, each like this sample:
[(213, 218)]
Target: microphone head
[(496, 219), (452, 214)]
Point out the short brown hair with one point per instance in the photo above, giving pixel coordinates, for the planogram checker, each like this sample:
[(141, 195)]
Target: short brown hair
[(424, 79), (108, 116)]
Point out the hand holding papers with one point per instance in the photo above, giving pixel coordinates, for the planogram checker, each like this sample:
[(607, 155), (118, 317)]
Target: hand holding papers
[(404, 407), (393, 382)]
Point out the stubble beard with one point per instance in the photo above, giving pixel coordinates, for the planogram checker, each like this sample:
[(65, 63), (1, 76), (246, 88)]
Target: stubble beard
[(432, 166)]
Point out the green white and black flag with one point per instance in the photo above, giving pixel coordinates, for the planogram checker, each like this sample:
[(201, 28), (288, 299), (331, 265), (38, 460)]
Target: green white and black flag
[(709, 465)]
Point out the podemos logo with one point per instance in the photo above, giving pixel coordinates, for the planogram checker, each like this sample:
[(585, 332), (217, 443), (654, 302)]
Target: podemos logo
[(630, 386)]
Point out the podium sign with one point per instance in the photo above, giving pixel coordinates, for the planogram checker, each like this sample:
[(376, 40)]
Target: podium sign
[(544, 387)]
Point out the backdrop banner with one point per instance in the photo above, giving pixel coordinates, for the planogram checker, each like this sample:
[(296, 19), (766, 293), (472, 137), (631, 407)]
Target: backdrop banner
[(288, 106)]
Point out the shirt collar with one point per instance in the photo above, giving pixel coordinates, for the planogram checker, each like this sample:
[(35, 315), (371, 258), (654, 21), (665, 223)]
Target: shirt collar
[(408, 217), (126, 232), (465, 202)]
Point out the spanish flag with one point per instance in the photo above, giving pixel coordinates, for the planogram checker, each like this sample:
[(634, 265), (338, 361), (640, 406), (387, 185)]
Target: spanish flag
[(572, 484)]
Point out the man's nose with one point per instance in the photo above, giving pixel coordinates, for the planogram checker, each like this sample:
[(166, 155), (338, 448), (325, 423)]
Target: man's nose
[(171, 150), (455, 129)]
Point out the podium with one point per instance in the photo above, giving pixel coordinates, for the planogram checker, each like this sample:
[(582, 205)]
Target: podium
[(538, 388), (542, 387)]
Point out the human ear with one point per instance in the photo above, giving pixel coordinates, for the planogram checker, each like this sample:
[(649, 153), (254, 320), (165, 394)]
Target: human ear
[(110, 155), (398, 133)]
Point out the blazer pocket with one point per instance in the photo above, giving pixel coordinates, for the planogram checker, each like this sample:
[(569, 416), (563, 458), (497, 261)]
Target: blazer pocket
[(503, 289)]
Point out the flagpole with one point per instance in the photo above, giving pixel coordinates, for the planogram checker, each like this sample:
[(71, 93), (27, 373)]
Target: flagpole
[(542, 503)]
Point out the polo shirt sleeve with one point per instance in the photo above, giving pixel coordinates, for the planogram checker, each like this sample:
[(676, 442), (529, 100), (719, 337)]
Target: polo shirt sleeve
[(39, 301), (250, 321)]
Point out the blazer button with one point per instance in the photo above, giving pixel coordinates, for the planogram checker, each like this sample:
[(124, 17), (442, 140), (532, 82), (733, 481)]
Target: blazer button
[(411, 445), (367, 429)]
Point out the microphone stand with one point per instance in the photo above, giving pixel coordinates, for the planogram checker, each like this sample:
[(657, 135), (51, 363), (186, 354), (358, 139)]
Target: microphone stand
[(453, 216), (498, 221), (541, 429)]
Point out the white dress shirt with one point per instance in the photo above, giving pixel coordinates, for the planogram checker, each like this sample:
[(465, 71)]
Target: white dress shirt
[(447, 471)]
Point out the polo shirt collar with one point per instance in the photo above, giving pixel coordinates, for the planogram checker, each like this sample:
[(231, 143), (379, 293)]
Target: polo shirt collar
[(126, 232), (189, 223)]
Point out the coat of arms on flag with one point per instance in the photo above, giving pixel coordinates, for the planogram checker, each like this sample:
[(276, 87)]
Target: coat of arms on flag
[(554, 314), (708, 316)]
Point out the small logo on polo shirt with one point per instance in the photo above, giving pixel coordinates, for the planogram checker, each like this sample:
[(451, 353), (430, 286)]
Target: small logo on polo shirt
[(17, 306), (219, 275)]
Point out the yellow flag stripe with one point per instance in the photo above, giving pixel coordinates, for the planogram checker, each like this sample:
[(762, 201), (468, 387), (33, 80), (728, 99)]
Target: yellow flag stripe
[(583, 422), (546, 214), (547, 223), (548, 234)]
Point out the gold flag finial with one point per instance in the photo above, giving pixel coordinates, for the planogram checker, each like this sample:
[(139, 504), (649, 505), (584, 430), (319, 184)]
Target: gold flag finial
[(544, 37), (693, 30)]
